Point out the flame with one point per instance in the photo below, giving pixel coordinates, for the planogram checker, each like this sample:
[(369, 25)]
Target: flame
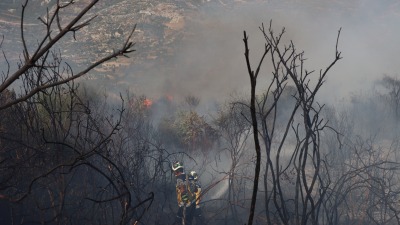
[(147, 102)]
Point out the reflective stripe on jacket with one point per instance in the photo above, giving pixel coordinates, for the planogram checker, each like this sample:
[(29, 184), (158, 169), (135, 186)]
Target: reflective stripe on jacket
[(184, 191)]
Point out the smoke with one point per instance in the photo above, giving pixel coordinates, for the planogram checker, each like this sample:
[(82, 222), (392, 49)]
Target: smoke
[(210, 62), (220, 190)]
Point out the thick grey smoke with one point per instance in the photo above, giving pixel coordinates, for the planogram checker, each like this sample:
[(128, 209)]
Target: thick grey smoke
[(210, 63)]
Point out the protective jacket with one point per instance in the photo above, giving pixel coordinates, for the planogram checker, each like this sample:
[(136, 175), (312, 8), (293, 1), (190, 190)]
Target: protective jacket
[(198, 215), (197, 191), (184, 190)]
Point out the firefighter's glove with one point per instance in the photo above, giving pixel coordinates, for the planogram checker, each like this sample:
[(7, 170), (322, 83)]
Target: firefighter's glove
[(180, 204), (197, 206), (188, 204)]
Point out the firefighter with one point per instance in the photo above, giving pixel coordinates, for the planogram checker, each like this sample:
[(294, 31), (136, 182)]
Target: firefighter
[(194, 179), (186, 199)]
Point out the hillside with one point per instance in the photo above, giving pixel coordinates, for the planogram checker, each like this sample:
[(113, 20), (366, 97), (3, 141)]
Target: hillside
[(159, 25), (162, 27)]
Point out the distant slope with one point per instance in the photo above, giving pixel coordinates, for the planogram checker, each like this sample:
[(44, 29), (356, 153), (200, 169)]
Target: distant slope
[(161, 25)]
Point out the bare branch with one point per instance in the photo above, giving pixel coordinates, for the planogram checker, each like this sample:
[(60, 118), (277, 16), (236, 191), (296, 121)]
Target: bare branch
[(30, 61)]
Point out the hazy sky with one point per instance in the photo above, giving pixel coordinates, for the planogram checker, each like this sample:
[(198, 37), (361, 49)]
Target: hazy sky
[(211, 63)]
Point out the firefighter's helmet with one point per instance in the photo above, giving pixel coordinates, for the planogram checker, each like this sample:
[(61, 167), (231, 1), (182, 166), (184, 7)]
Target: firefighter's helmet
[(177, 165), (193, 175)]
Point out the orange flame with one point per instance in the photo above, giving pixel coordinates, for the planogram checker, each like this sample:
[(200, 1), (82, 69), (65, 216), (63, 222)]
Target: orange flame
[(147, 102)]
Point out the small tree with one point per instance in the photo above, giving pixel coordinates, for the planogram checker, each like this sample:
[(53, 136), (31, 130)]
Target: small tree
[(41, 68), (301, 203), (234, 130), (392, 93), (55, 156)]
